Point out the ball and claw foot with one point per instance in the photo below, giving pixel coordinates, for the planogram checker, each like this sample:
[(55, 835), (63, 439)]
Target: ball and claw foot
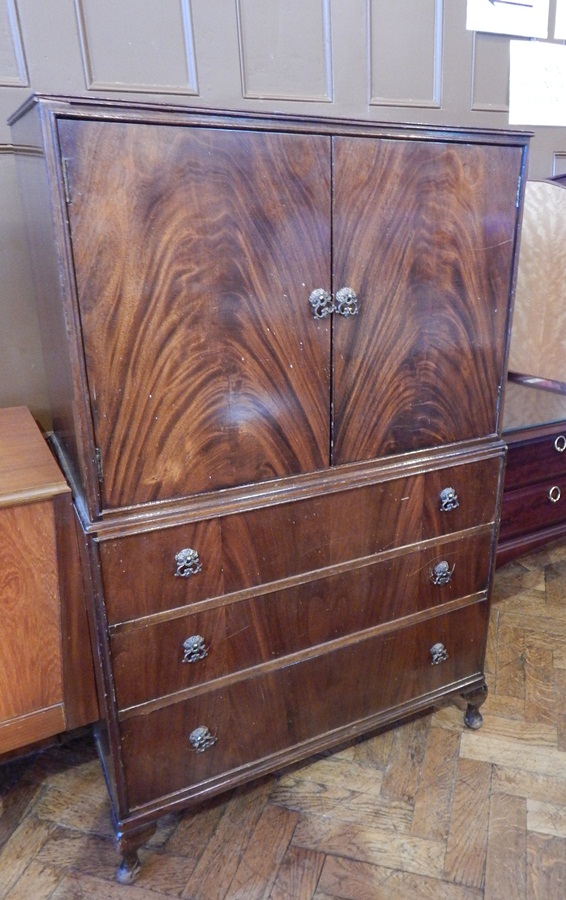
[(129, 868), (473, 717)]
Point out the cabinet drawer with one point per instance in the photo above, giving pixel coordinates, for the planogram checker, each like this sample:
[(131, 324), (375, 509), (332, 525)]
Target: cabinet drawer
[(303, 701), (248, 549), (140, 571), (531, 508), (476, 486), (148, 659), (535, 460)]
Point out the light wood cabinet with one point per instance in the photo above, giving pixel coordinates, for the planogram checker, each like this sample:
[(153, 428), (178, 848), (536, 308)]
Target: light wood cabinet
[(277, 387), (41, 629)]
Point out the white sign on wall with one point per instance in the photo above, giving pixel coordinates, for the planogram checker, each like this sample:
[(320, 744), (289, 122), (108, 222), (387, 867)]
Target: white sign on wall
[(528, 18), (560, 21), (537, 83)]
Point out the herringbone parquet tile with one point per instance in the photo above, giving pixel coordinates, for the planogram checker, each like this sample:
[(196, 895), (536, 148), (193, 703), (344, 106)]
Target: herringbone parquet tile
[(426, 810)]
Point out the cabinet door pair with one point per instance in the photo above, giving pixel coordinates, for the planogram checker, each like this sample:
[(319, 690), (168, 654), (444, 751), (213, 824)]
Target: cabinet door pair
[(196, 251)]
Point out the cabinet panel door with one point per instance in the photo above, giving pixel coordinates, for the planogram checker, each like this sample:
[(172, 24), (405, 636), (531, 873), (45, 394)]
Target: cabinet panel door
[(195, 251), (423, 233)]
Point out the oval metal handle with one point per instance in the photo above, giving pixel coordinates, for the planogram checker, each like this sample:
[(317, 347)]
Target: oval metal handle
[(322, 303), (441, 573), (201, 739), (448, 499), (188, 563), (194, 648), (554, 494), (346, 302), (438, 654), (560, 443)]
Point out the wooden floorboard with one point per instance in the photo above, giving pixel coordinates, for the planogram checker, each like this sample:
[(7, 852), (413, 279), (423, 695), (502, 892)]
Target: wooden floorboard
[(426, 810)]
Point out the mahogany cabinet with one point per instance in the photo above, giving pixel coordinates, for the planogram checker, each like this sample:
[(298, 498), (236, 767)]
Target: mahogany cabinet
[(533, 511), (46, 672), (277, 349)]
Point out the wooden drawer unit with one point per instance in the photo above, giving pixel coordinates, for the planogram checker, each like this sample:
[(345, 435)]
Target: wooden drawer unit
[(150, 659), (535, 455), (343, 691), (278, 349), (533, 510)]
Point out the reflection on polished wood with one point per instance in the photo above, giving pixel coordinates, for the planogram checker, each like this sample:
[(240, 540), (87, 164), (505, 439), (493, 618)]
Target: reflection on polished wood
[(428, 809)]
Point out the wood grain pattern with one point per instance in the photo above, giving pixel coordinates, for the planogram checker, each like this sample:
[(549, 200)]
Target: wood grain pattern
[(30, 660), (28, 470), (433, 227), (278, 541), (195, 254), (305, 700), (148, 659)]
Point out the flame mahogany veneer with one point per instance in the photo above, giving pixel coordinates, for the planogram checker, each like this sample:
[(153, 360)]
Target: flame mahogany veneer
[(274, 566)]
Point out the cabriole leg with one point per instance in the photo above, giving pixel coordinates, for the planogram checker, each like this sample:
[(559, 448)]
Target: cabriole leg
[(129, 845)]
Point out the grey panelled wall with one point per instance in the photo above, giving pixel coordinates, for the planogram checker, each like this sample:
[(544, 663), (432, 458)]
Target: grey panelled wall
[(409, 61)]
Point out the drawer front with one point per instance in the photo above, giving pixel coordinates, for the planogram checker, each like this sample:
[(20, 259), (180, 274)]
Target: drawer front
[(263, 715), (149, 660), (252, 548), (534, 507), (535, 461), (141, 574), (274, 542), (476, 486)]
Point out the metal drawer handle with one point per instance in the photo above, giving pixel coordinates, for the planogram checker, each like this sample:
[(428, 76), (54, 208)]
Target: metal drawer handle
[(188, 563), (194, 649), (438, 654), (441, 573), (346, 302), (560, 443), (554, 494), (322, 303), (201, 739), (448, 499)]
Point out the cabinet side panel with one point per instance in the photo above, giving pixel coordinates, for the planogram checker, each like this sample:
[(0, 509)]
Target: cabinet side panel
[(60, 341)]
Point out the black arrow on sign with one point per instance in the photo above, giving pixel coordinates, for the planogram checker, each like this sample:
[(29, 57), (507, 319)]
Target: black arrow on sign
[(511, 3)]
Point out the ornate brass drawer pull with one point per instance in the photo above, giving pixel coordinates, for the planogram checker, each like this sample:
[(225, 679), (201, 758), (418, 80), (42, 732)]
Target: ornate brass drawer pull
[(201, 739), (554, 494), (560, 443), (448, 499), (441, 573), (188, 563), (322, 303), (194, 649), (346, 302), (438, 654)]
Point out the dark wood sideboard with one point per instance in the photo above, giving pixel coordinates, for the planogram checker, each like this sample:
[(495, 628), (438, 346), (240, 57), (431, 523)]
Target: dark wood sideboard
[(533, 511), (277, 351)]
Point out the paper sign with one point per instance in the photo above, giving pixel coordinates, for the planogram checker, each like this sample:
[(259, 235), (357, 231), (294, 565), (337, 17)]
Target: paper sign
[(528, 18), (537, 83), (560, 21)]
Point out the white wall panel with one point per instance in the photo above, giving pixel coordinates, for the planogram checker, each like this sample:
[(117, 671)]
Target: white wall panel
[(13, 69), (405, 54), (285, 50), (144, 47)]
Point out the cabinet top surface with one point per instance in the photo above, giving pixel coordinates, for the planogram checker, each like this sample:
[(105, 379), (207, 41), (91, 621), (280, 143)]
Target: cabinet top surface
[(103, 108), (28, 471)]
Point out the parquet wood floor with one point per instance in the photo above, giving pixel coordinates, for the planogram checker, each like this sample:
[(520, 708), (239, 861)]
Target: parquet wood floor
[(426, 810)]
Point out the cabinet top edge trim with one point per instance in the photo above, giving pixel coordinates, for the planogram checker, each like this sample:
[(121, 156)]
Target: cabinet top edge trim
[(130, 520), (138, 111)]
